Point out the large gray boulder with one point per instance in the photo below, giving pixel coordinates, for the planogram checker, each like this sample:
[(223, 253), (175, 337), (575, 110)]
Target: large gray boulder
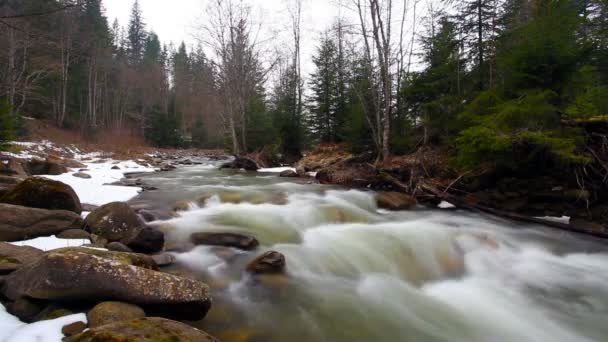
[(43, 193), (118, 222), (115, 221), (22, 223), (82, 274), (144, 330)]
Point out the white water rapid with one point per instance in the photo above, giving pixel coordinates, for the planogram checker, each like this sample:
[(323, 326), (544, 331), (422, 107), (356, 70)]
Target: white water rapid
[(356, 273)]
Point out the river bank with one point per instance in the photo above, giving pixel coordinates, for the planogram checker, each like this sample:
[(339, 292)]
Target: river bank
[(321, 261)]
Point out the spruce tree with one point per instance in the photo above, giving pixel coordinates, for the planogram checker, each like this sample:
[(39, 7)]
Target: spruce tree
[(136, 35), (325, 92)]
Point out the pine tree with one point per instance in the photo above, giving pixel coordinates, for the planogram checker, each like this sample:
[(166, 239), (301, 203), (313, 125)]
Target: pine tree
[(432, 95), (324, 109), (136, 35), (480, 26)]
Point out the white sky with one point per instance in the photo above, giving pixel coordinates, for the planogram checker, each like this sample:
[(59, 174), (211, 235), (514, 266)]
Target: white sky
[(177, 20)]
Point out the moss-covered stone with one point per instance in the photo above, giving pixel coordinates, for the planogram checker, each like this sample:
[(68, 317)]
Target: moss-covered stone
[(144, 330), (110, 312), (43, 193)]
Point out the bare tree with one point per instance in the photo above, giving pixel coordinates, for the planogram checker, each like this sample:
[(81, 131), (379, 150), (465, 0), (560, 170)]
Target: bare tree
[(237, 60), (379, 53)]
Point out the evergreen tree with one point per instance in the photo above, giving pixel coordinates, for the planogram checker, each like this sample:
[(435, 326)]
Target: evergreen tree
[(136, 35), (325, 116), (480, 25), (432, 96), (518, 124)]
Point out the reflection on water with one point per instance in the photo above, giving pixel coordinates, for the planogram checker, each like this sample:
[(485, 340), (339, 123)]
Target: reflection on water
[(359, 274)]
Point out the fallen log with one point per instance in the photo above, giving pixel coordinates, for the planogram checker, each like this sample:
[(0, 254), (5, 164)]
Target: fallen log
[(444, 195), (458, 202)]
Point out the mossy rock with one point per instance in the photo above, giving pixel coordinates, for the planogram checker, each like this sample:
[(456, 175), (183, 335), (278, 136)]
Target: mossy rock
[(115, 221), (111, 312), (144, 330), (43, 193)]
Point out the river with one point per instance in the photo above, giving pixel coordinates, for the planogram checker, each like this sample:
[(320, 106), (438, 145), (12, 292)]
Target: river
[(356, 273)]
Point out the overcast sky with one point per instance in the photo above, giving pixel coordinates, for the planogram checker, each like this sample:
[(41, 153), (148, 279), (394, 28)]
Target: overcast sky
[(177, 20)]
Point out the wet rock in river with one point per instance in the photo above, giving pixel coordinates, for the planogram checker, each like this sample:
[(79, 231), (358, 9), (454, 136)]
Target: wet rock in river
[(22, 223), (118, 247), (245, 163), (289, 174), (163, 259), (115, 221), (395, 200), (80, 274), (268, 263), (148, 240), (144, 330), (235, 240), (111, 312), (44, 194)]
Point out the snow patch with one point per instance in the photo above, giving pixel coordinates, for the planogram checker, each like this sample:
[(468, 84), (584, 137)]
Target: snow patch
[(277, 169), (446, 205), (52, 242), (563, 219), (43, 331), (96, 190)]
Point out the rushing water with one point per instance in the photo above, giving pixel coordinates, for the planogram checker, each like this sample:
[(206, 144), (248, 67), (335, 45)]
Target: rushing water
[(356, 273)]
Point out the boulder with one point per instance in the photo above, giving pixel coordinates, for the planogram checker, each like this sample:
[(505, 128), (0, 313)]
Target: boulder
[(82, 175), (235, 240), (115, 221), (110, 312), (21, 223), (395, 200), (163, 259), (14, 257), (27, 310), (358, 175), (115, 167), (10, 180), (118, 247), (44, 194), (11, 166), (148, 240), (245, 163), (49, 166), (268, 263), (143, 330), (73, 329), (81, 274), (74, 234), (289, 174)]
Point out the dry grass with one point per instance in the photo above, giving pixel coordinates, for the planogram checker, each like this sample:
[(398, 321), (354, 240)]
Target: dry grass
[(121, 143)]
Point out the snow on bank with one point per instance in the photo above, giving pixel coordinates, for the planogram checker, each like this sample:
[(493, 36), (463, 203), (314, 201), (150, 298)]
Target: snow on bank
[(446, 205), (96, 190), (52, 242), (563, 219), (277, 169), (13, 330)]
